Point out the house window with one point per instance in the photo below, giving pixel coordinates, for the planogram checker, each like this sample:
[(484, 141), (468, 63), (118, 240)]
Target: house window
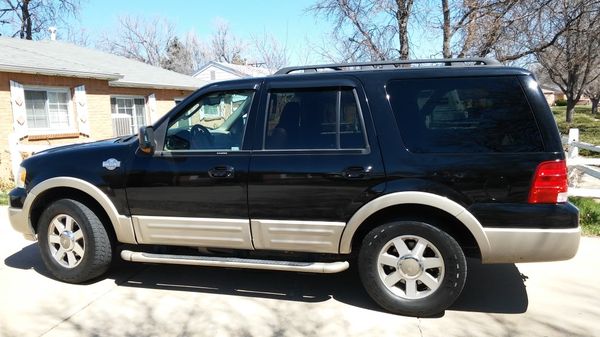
[(128, 115), (47, 110)]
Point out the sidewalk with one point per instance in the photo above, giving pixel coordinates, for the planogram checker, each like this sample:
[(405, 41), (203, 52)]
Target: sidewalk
[(556, 299)]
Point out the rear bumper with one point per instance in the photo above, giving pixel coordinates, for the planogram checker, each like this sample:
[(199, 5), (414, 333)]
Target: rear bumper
[(520, 232), (514, 245)]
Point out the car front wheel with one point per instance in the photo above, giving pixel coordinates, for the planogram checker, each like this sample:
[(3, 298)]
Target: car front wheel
[(74, 244), (412, 268)]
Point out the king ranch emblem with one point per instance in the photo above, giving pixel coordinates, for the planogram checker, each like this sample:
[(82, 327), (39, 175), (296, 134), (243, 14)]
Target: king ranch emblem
[(111, 164)]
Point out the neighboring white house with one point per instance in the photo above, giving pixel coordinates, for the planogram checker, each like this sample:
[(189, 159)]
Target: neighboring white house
[(220, 71)]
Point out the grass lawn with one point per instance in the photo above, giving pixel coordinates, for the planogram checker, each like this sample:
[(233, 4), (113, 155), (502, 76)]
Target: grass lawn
[(589, 215), (3, 198), (589, 132), (588, 124)]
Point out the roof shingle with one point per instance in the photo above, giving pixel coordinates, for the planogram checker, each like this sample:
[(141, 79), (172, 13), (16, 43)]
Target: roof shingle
[(65, 59)]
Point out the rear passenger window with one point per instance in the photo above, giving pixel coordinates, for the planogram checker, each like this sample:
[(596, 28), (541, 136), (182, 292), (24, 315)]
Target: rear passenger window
[(314, 119), (464, 115)]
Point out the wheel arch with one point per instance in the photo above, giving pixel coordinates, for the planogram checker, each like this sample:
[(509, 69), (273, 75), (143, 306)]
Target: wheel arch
[(83, 191), (422, 205)]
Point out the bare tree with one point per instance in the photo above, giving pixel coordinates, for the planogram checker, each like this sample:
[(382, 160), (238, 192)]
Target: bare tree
[(592, 90), (402, 12), (447, 30), (178, 58), (267, 50), (80, 36), (145, 40), (508, 30), (572, 61), (199, 50), (154, 41), (339, 50), (226, 47), (368, 28), (30, 18)]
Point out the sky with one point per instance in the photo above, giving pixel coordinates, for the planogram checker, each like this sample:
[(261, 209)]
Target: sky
[(199, 15), (287, 20)]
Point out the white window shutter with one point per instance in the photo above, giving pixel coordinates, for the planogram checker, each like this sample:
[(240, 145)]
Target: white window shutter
[(81, 107), (151, 108), (17, 99)]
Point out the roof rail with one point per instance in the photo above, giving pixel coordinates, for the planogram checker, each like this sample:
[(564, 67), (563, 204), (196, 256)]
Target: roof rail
[(477, 61)]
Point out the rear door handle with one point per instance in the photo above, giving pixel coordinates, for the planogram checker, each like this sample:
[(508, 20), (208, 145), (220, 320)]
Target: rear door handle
[(221, 172), (356, 172)]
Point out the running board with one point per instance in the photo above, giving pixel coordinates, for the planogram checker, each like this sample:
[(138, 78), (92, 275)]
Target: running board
[(234, 262)]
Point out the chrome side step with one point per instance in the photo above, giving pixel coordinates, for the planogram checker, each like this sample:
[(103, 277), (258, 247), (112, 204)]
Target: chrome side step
[(233, 262)]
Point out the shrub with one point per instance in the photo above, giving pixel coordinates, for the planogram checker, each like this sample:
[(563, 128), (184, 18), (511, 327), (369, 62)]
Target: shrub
[(560, 102), (6, 185)]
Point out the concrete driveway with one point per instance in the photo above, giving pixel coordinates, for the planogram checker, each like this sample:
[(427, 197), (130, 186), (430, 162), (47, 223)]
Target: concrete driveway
[(544, 299)]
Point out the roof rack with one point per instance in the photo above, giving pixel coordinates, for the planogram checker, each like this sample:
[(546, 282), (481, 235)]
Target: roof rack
[(388, 64)]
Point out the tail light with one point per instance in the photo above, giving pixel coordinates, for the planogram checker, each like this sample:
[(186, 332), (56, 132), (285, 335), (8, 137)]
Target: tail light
[(549, 184)]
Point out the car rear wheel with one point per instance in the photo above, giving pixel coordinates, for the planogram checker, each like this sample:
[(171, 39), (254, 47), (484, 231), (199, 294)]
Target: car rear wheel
[(74, 244), (412, 268)]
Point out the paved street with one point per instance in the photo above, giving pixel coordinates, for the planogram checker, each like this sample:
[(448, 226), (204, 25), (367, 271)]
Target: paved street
[(543, 299)]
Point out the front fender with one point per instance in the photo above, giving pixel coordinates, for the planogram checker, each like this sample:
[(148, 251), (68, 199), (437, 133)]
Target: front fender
[(122, 225)]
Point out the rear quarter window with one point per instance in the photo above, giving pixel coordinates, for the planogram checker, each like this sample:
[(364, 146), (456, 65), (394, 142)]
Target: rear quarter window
[(464, 115)]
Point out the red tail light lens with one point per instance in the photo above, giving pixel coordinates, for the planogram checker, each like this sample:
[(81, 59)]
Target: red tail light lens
[(549, 184)]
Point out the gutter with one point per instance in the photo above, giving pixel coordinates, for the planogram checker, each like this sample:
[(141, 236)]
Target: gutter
[(112, 78), (123, 84), (59, 72)]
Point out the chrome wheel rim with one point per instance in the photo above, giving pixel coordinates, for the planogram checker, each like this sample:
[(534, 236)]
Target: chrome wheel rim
[(410, 267), (65, 241)]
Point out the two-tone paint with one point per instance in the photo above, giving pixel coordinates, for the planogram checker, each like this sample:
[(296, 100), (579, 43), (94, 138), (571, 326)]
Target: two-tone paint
[(304, 200)]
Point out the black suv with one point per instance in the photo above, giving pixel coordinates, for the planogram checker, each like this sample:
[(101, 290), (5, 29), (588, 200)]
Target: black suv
[(403, 168)]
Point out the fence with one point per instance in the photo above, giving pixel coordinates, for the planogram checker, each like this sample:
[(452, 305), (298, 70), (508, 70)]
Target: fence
[(582, 164)]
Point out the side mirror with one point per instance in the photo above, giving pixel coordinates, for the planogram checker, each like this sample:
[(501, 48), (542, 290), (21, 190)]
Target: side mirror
[(146, 139)]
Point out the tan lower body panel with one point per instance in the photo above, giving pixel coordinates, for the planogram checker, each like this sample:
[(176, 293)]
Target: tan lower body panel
[(299, 236), (513, 245), (20, 222), (195, 232)]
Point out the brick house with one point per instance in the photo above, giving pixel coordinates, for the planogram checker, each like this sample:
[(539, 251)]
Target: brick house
[(54, 93)]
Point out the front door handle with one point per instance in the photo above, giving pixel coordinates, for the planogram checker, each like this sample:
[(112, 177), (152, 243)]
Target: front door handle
[(356, 172), (221, 172)]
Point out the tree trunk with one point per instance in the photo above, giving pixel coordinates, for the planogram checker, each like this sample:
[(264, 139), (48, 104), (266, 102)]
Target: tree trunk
[(446, 29), (595, 102), (570, 109), (402, 15), (26, 21)]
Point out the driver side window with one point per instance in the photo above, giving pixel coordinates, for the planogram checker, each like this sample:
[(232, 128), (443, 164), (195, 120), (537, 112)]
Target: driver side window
[(215, 122)]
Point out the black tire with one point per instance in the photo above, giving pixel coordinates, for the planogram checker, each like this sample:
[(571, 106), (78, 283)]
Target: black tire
[(451, 283), (97, 249)]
